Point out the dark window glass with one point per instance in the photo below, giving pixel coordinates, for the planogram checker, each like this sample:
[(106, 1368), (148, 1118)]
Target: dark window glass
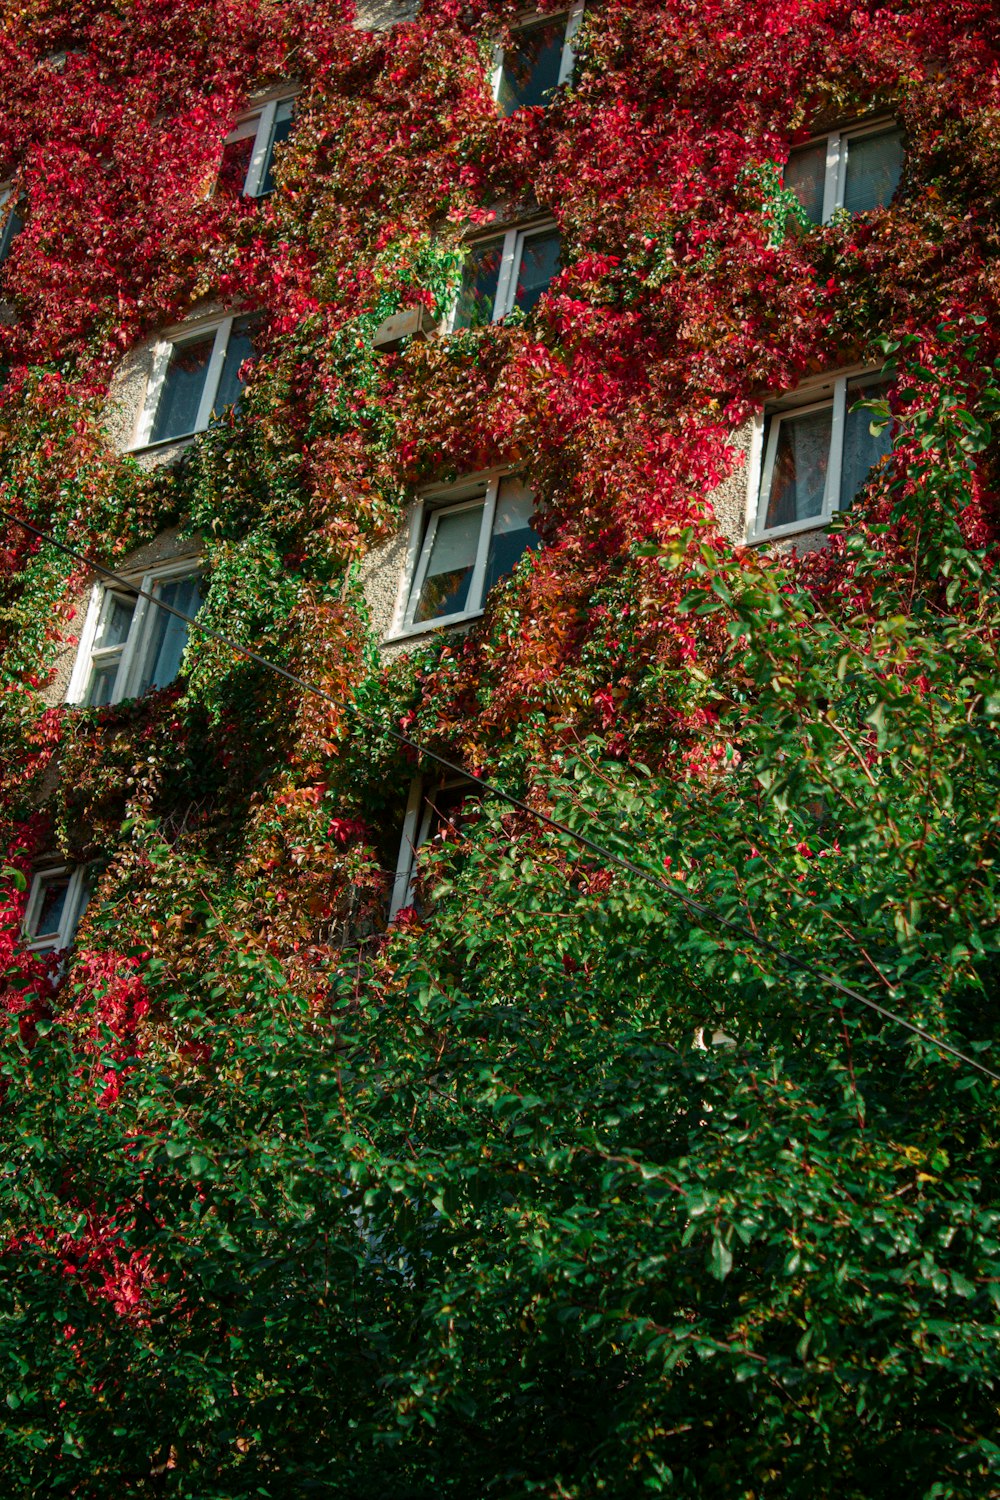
[(477, 299), (513, 534), (862, 448), (539, 263), (805, 175), (282, 130), (238, 350), (874, 167), (531, 68), (168, 635), (183, 388), (51, 908), (10, 227)]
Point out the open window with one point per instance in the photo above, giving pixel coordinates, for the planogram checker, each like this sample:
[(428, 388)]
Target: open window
[(812, 452), (539, 59), (856, 169), (196, 374), (435, 811), (130, 645), (463, 540), (248, 154), (57, 900), (506, 271)]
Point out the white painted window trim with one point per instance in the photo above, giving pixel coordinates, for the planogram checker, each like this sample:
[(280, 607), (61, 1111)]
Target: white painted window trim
[(163, 350), (478, 489), (807, 397), (574, 15), (512, 253), (838, 145), (416, 833), (72, 910), (137, 640), (263, 115)]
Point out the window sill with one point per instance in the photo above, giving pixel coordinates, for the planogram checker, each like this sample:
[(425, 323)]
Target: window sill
[(416, 632)]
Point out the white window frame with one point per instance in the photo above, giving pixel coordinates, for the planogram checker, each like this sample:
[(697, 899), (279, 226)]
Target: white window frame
[(477, 489), (416, 833), (511, 255), (176, 338), (72, 910), (529, 18), (813, 395), (137, 640), (263, 116), (838, 143)]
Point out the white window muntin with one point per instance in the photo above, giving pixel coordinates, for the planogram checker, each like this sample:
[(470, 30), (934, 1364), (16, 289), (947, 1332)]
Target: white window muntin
[(131, 653), (162, 354), (573, 14), (260, 124), (511, 255), (826, 395), (838, 144), (77, 895)]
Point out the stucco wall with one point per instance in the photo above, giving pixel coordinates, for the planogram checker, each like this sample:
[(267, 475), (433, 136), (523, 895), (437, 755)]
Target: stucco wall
[(376, 15)]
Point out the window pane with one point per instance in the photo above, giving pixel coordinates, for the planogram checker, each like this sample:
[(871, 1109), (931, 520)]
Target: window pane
[(862, 450), (102, 681), (805, 175), (115, 618), (513, 534), (282, 130), (51, 908), (180, 398), (238, 349), (236, 157), (478, 295), (445, 589), (801, 461), (531, 69), (874, 166), (539, 263), (164, 647)]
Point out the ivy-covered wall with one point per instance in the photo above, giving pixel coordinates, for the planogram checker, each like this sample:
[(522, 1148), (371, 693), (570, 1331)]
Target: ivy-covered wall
[(297, 1201)]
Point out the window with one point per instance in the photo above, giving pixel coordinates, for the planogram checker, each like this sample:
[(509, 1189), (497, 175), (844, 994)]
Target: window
[(11, 222), (129, 646), (539, 61), (462, 541), (505, 272), (856, 169), (433, 810), (195, 376), (812, 452), (57, 901), (248, 155)]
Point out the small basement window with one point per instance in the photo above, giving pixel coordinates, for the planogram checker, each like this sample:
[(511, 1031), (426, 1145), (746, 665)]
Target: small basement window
[(813, 452), (129, 645), (505, 272), (463, 540), (195, 376), (857, 169), (57, 900), (539, 60), (248, 154)]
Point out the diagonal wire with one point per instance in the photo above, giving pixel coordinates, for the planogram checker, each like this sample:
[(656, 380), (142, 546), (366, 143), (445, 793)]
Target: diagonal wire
[(697, 908)]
